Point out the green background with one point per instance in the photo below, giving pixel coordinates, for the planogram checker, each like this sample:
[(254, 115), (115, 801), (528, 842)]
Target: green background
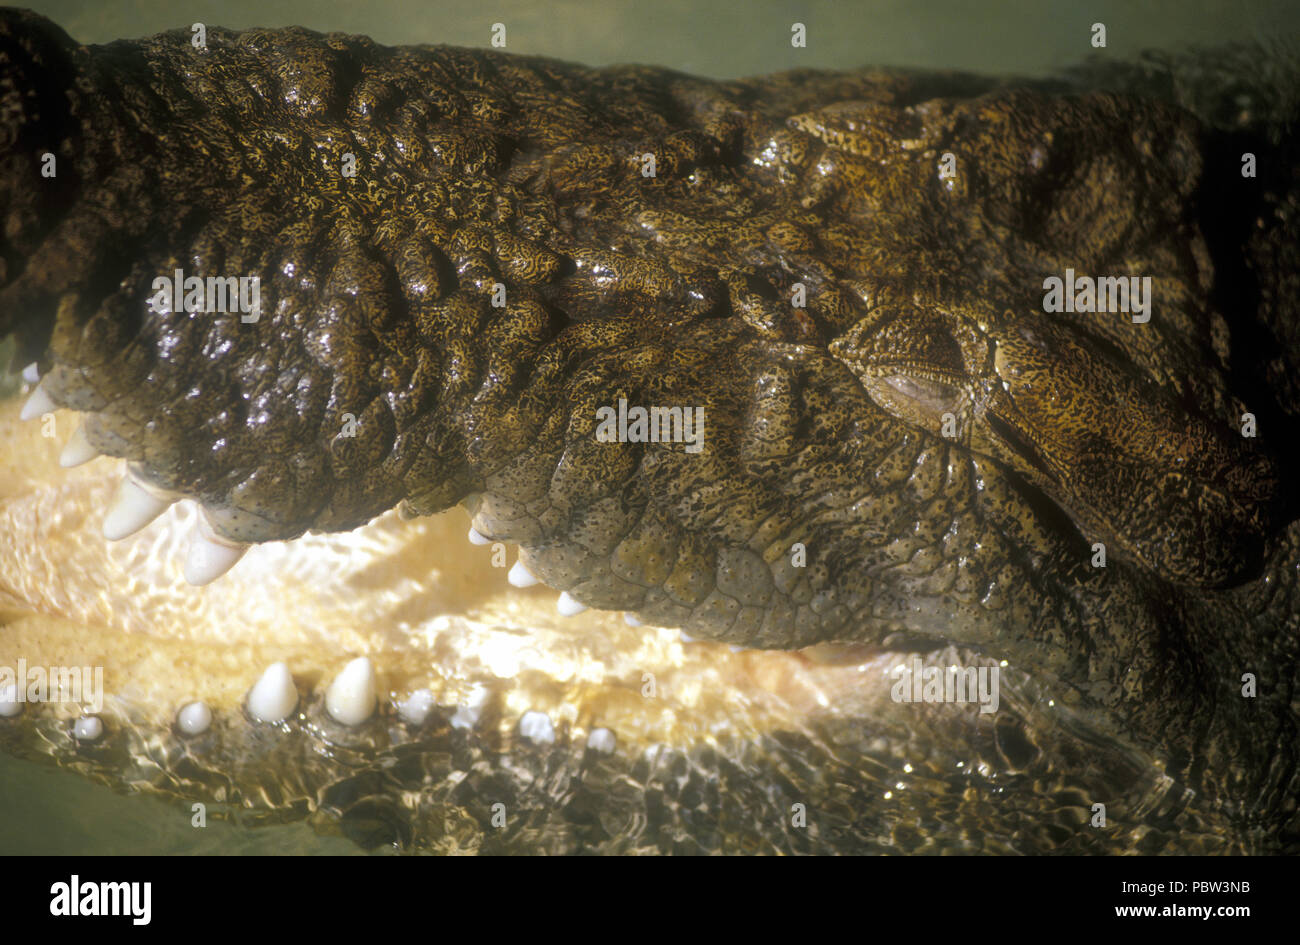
[(732, 39)]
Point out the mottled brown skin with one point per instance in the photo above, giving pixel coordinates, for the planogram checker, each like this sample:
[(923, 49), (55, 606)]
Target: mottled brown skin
[(924, 296)]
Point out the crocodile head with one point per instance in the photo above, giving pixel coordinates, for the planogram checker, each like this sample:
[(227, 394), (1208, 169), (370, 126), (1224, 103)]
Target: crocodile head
[(769, 361)]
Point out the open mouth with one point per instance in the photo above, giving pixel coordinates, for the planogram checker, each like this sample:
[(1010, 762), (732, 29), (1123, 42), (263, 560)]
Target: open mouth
[(529, 730), (436, 417)]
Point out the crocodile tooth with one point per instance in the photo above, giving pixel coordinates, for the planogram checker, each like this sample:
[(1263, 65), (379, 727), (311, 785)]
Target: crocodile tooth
[(350, 698), (632, 620), (10, 704), (273, 696), (520, 576), (476, 538), (194, 718), (536, 727), (37, 404), (32, 373), (88, 728), (567, 606), (602, 740), (77, 450), (134, 507), (210, 556), (467, 714), (416, 707)]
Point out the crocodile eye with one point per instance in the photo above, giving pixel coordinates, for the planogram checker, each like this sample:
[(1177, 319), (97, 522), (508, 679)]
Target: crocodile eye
[(934, 395)]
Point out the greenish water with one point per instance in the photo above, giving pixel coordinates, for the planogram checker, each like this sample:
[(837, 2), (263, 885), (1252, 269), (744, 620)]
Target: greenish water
[(49, 811), (724, 39), (53, 812)]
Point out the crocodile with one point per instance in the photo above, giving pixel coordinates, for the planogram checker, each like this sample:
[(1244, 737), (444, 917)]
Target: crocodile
[(467, 262)]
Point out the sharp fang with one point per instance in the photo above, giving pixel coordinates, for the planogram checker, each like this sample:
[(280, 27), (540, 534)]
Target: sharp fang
[(78, 450), (88, 728), (194, 718), (32, 373), (10, 704), (567, 606), (210, 556), (416, 707), (273, 696), (350, 698), (37, 404), (537, 728), (632, 620), (467, 714), (475, 538), (134, 507), (520, 576), (602, 740)]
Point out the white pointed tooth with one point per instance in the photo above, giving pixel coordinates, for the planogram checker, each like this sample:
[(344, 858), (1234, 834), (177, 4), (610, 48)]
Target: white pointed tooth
[(10, 703), (134, 507), (88, 728), (38, 403), (273, 696), (567, 606), (194, 718), (77, 450), (32, 373), (350, 698), (416, 707), (686, 637), (464, 717), (467, 714), (475, 538), (520, 576), (536, 727), (209, 556), (632, 620), (602, 740)]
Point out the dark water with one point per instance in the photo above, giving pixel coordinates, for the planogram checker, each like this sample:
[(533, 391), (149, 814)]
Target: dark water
[(50, 811)]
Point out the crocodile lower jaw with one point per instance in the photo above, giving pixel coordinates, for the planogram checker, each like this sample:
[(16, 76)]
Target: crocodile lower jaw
[(518, 694)]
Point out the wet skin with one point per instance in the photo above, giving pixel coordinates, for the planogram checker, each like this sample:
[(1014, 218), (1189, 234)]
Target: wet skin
[(380, 374)]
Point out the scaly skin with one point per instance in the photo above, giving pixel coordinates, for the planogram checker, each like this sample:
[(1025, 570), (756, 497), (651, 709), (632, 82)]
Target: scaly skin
[(824, 422)]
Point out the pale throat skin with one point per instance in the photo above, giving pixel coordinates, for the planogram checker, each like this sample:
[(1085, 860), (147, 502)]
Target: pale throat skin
[(914, 457)]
